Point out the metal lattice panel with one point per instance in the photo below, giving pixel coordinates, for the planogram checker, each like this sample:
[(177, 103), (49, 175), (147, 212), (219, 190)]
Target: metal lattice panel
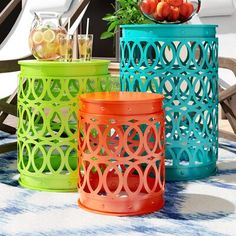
[(185, 69), (47, 128), (122, 163)]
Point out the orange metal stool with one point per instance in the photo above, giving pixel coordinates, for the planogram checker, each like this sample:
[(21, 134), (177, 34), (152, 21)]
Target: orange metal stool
[(121, 153)]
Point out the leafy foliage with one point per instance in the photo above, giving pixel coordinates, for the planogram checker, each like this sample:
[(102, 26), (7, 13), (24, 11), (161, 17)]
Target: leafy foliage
[(127, 13)]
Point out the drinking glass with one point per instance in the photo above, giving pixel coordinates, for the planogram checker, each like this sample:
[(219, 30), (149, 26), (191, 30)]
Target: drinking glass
[(85, 45), (65, 47)]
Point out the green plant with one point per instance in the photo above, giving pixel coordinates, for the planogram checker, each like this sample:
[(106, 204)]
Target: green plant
[(127, 13)]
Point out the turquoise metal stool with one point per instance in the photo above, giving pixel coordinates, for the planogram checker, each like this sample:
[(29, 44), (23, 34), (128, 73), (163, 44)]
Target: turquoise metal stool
[(181, 62)]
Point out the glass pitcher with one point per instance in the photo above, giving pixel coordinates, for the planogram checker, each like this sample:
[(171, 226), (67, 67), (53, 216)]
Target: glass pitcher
[(45, 35)]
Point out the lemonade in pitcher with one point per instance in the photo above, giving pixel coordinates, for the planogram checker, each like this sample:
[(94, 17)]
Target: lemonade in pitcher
[(45, 37)]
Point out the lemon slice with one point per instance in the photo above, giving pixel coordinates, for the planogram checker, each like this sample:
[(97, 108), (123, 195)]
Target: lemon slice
[(37, 37), (40, 52), (49, 35)]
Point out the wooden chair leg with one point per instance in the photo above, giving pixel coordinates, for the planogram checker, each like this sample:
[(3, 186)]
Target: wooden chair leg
[(227, 135), (8, 108), (229, 114), (8, 147), (7, 128)]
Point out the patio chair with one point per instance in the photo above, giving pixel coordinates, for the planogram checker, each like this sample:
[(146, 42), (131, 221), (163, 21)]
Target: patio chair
[(223, 13), (15, 47)]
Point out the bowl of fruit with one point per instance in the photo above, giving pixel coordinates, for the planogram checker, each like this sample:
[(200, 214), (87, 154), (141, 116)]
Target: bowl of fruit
[(169, 11)]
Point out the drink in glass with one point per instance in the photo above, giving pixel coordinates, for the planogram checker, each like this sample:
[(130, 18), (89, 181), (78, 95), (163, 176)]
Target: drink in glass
[(66, 47), (85, 43)]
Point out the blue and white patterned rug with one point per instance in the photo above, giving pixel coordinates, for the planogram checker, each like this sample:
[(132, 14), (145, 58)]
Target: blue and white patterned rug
[(206, 207)]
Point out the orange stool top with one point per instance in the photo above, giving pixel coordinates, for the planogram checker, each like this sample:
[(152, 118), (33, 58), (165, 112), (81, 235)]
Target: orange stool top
[(121, 103)]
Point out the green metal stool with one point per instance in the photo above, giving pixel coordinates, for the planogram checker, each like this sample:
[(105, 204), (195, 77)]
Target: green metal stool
[(47, 128)]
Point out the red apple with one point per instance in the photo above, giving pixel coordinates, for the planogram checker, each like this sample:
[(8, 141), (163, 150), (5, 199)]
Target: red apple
[(148, 6), (174, 14), (156, 17), (175, 3), (163, 9), (152, 5), (144, 6), (186, 10)]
